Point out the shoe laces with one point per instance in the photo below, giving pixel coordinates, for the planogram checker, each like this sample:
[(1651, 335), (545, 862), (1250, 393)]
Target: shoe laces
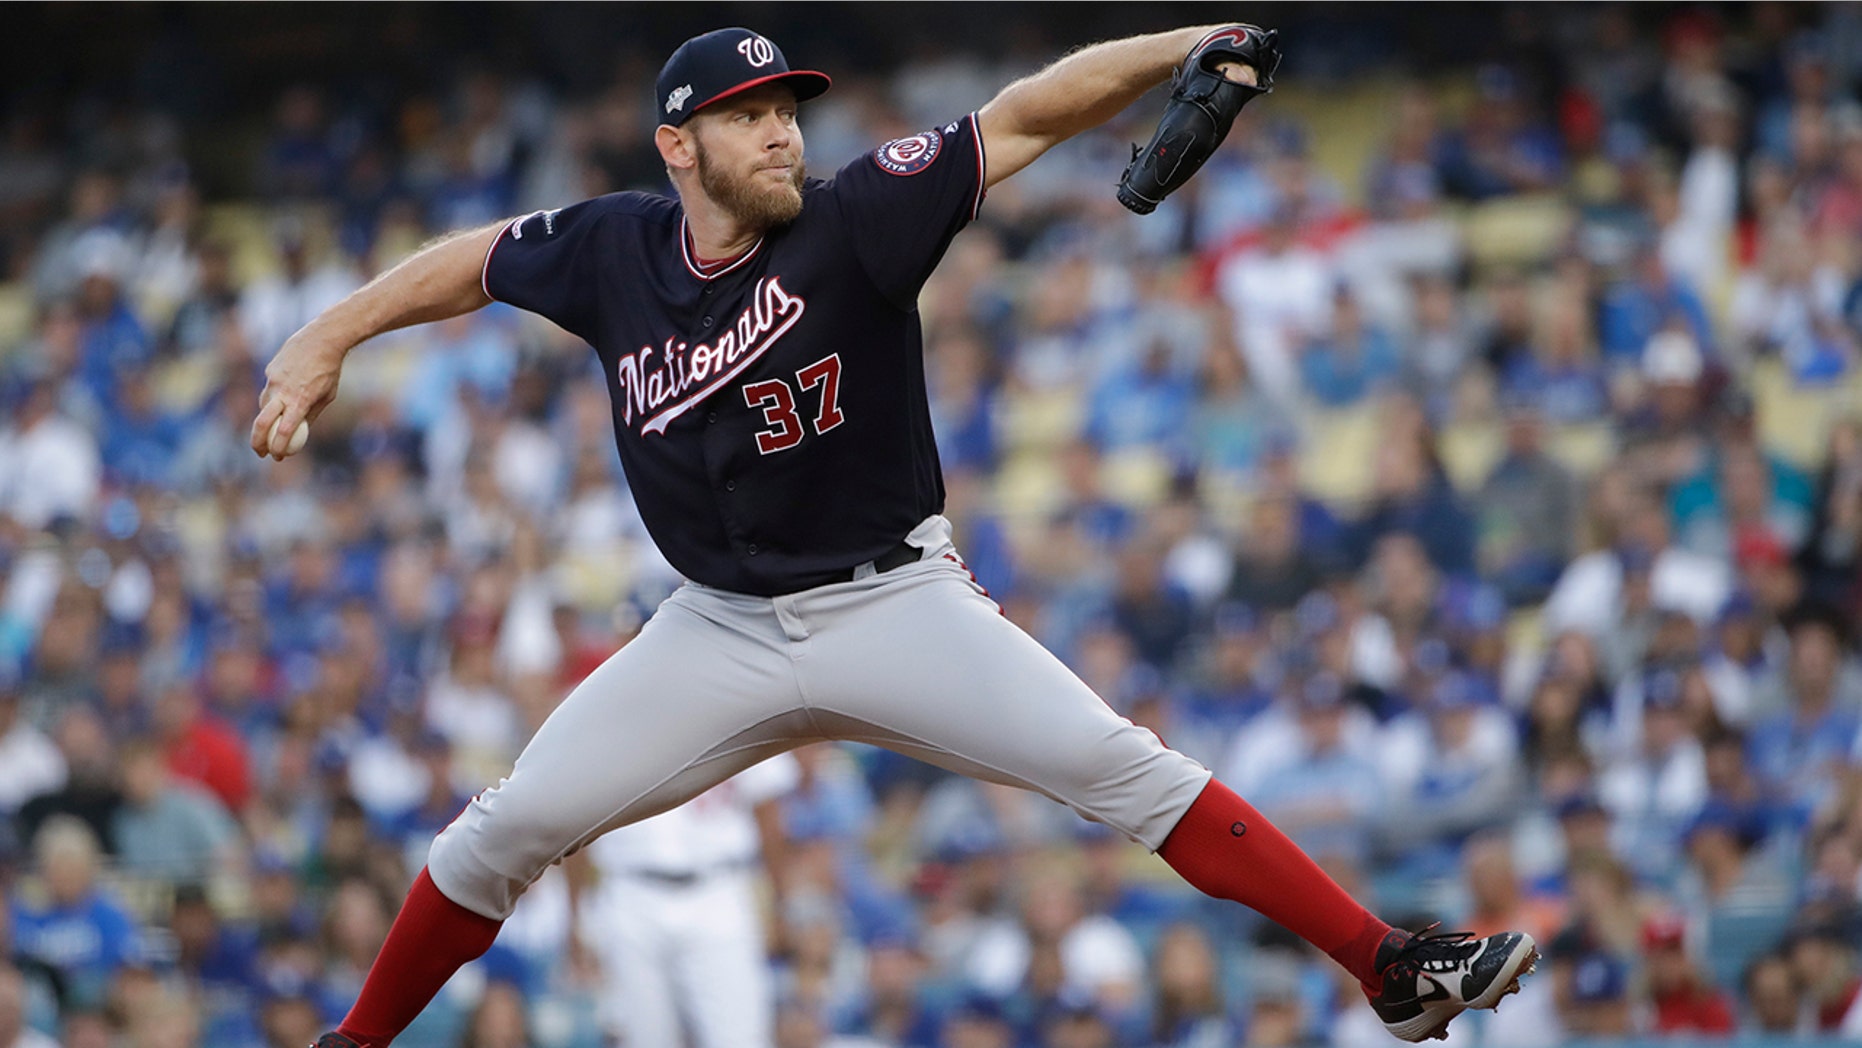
[(1432, 951)]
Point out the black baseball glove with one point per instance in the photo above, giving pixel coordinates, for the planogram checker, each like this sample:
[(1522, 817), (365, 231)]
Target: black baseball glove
[(1202, 107)]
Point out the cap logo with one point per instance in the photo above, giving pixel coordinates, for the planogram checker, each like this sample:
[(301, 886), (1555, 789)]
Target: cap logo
[(756, 51), (676, 100)]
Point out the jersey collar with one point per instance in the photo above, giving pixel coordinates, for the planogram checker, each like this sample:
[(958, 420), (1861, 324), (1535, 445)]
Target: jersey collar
[(687, 250)]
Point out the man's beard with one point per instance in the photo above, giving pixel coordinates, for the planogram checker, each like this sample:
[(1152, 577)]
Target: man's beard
[(748, 200)]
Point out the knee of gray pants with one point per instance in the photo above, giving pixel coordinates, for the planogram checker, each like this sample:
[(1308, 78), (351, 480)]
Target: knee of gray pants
[(1144, 795), (487, 856)]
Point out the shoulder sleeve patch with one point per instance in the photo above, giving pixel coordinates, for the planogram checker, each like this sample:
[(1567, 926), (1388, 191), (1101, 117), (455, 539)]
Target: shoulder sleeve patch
[(909, 155)]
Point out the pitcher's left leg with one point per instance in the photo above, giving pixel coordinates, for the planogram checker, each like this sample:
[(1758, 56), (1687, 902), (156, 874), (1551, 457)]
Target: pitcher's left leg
[(925, 664)]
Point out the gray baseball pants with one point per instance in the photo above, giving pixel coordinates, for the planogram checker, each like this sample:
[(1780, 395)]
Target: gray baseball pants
[(918, 660)]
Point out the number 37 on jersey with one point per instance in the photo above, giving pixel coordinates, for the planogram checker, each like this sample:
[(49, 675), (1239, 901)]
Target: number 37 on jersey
[(777, 398)]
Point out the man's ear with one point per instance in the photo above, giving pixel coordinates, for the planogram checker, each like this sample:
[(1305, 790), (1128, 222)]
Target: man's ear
[(676, 147)]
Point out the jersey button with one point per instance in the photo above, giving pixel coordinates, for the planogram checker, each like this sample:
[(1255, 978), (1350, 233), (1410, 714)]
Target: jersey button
[(711, 416), (751, 549), (730, 485), (707, 321)]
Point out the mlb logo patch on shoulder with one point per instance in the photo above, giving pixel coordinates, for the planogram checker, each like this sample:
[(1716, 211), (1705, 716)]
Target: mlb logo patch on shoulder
[(910, 155)]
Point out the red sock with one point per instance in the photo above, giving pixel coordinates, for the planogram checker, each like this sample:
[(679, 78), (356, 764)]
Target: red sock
[(1225, 848), (432, 938)]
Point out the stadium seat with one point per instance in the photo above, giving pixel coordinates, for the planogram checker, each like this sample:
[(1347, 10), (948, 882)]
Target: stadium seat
[(1336, 458), (1470, 451), (1027, 486), (1136, 477), (1515, 231), (1583, 448), (247, 230), (1041, 420), (1794, 420), (16, 313)]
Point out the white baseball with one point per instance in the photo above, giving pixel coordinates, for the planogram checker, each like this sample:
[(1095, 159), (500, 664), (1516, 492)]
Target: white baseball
[(298, 436)]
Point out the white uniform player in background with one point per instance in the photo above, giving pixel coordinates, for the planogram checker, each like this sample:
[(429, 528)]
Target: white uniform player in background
[(674, 919)]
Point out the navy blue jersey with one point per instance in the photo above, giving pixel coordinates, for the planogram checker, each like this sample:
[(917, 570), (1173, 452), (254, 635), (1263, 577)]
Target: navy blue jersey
[(771, 413)]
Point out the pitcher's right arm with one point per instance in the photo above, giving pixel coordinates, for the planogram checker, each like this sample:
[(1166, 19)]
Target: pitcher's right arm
[(441, 280)]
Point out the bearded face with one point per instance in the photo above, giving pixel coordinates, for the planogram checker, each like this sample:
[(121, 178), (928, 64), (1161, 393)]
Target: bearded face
[(746, 193)]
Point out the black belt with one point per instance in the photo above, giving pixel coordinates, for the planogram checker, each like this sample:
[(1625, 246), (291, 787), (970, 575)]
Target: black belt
[(897, 557), (671, 878)]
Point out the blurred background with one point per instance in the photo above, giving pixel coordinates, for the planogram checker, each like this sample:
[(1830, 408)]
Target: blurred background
[(1466, 465)]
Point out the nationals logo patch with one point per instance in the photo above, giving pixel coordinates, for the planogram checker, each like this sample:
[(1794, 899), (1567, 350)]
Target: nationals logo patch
[(908, 156)]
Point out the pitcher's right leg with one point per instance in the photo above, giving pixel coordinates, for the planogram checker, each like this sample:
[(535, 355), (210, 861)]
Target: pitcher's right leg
[(703, 692)]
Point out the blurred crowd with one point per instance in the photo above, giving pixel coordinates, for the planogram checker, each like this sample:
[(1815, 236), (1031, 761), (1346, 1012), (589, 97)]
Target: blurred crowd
[(1473, 481)]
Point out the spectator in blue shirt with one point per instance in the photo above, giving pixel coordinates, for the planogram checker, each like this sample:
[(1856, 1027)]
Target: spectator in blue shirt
[(1800, 752), (1147, 607), (1145, 404), (1654, 789), (1599, 1001), (829, 812), (466, 196), (292, 1010), (1500, 150), (1743, 499), (369, 186), (473, 350), (415, 826), (1452, 769), (112, 337), (1231, 689), (211, 951), (893, 1006), (1320, 533), (978, 1020), (1352, 361), (302, 600), (279, 910), (963, 399), (74, 928), (1405, 168), (1101, 520), (220, 962), (1413, 494), (1645, 302), (1141, 905), (988, 552), (1561, 375), (140, 438), (298, 160)]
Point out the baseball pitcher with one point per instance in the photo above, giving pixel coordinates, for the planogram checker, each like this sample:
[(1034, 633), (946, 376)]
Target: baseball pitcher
[(762, 349)]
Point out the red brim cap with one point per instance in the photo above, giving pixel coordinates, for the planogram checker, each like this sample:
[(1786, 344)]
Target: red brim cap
[(806, 83)]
